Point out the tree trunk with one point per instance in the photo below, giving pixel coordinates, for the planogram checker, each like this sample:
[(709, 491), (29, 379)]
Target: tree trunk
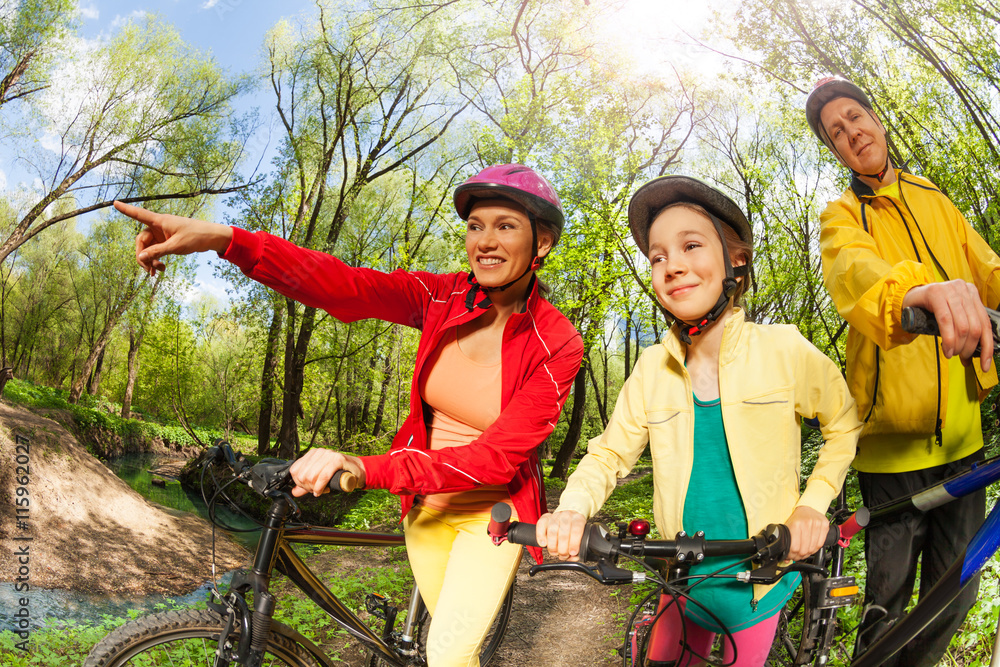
[(386, 380), (134, 341), (296, 349), (267, 378), (76, 390), (95, 375), (560, 469)]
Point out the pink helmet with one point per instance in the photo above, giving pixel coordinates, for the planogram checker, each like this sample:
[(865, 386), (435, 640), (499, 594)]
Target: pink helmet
[(517, 183)]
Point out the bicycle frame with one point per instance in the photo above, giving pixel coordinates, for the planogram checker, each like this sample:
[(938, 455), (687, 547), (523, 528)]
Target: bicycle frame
[(963, 571), (274, 552), (983, 545)]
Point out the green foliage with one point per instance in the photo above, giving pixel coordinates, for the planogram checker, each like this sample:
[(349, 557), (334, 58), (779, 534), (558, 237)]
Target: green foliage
[(377, 508), (58, 644), (96, 423)]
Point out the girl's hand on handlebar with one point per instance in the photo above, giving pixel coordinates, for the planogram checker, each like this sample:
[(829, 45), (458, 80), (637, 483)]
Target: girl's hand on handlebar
[(313, 471), (172, 235), (808, 529), (561, 533), (961, 318)]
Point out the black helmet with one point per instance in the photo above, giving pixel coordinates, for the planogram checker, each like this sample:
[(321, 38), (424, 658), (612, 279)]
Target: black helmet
[(826, 90), (661, 192), (657, 194)]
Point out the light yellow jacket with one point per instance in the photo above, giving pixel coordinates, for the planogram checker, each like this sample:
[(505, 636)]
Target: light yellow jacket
[(769, 377), (875, 248)]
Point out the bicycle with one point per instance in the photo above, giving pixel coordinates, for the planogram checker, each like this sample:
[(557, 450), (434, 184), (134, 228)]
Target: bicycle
[(767, 550), (238, 629), (820, 631)]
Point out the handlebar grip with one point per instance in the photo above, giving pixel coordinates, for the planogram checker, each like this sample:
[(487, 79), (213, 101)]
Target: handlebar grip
[(919, 321), (522, 533), (499, 520), (855, 523), (343, 480)]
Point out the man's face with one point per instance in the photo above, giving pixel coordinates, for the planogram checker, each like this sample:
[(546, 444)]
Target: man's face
[(858, 137)]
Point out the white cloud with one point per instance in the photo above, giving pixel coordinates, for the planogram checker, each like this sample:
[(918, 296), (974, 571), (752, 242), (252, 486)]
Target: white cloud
[(120, 20), (89, 12), (210, 3)]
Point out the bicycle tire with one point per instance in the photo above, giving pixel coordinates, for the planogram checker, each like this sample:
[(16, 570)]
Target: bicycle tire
[(494, 637), (160, 639)]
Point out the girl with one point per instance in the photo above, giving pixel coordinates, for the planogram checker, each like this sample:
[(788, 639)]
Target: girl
[(494, 366), (719, 403)]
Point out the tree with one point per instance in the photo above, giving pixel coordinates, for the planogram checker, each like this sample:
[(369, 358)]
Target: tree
[(357, 102), (142, 113), (30, 34)]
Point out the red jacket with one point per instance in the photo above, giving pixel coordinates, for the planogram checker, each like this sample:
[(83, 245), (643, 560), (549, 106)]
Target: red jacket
[(541, 355)]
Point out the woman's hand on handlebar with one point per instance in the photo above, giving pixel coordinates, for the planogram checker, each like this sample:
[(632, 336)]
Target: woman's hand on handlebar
[(561, 533), (961, 318), (313, 471), (172, 235), (808, 529)]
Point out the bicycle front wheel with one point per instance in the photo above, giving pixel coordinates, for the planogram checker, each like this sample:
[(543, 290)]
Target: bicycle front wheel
[(188, 637)]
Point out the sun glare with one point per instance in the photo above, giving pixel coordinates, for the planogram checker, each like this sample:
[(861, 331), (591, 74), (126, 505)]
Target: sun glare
[(664, 33)]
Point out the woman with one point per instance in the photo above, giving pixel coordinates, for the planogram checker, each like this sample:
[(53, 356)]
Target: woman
[(494, 366)]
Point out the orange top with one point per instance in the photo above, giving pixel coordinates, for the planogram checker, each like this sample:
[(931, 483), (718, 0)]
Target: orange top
[(464, 398)]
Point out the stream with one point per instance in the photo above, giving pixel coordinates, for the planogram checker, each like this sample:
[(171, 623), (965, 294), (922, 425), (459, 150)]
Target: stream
[(50, 606)]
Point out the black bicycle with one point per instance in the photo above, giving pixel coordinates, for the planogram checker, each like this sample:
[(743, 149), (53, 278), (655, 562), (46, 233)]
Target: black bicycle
[(667, 564), (238, 628)]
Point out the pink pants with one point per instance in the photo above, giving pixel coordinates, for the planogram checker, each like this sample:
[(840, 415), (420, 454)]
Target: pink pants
[(666, 640)]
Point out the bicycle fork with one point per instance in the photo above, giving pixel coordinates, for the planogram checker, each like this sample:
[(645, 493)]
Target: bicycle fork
[(406, 644)]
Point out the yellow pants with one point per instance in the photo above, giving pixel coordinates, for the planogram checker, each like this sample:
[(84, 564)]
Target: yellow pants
[(463, 578)]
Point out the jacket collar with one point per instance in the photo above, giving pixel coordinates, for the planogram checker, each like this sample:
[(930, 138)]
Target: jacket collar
[(862, 189), (731, 335)]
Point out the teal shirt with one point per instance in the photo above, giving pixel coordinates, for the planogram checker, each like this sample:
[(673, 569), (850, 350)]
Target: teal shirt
[(713, 504)]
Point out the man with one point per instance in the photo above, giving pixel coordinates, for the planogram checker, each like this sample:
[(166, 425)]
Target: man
[(894, 240)]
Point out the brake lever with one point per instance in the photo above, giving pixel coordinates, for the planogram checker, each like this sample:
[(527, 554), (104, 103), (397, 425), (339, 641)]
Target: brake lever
[(771, 573), (604, 572)]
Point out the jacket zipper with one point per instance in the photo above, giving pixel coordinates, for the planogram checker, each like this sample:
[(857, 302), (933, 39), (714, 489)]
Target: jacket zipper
[(937, 357), (878, 372)]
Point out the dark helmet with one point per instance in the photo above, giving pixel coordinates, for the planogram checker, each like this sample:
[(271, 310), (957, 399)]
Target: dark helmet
[(517, 183), (657, 194), (660, 192), (825, 91)]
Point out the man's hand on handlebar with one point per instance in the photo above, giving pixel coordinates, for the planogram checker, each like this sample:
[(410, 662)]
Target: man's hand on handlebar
[(561, 533), (313, 471), (808, 529), (961, 317)]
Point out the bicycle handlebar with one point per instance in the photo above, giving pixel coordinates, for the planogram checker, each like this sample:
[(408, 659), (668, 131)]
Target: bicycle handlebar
[(271, 475), (921, 321), (771, 544)]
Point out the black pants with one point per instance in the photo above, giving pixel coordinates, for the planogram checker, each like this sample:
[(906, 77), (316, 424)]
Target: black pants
[(937, 537)]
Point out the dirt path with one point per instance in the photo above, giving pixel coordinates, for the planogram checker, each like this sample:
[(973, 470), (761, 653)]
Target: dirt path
[(85, 529)]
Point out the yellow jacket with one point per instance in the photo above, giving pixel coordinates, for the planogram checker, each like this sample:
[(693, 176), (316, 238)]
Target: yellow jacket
[(769, 376), (875, 248)]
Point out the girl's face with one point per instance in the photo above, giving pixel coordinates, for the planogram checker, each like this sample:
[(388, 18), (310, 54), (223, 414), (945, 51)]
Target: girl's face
[(498, 242), (686, 256)]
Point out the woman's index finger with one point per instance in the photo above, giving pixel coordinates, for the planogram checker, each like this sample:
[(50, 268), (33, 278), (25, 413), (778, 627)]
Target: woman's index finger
[(138, 213)]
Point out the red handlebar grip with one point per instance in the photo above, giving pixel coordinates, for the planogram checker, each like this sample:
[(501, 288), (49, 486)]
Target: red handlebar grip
[(855, 524), (499, 520)]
